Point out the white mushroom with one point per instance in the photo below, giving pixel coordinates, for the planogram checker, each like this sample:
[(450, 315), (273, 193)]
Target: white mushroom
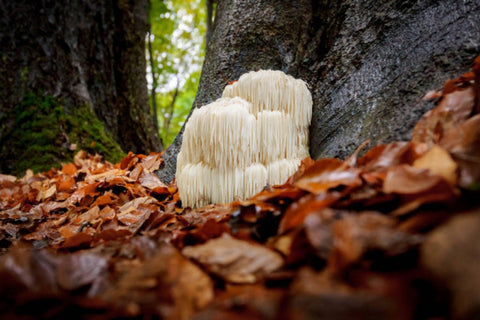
[(257, 133)]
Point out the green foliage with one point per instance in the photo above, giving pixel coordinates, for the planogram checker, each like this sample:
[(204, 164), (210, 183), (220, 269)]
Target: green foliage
[(43, 136), (183, 104), (178, 30)]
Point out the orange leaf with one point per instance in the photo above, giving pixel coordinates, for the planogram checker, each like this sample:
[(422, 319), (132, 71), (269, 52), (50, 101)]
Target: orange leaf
[(298, 211), (79, 239), (66, 183), (69, 169), (326, 174)]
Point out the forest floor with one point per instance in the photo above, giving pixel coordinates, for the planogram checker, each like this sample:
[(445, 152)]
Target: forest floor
[(388, 235)]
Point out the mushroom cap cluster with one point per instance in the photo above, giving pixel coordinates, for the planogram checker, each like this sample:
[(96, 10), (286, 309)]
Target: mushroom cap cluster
[(255, 134)]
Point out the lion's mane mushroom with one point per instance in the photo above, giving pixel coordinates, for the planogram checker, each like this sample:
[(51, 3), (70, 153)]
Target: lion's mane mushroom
[(257, 133)]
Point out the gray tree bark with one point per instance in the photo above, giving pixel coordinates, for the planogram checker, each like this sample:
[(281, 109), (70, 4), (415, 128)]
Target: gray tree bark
[(368, 63), (86, 53)]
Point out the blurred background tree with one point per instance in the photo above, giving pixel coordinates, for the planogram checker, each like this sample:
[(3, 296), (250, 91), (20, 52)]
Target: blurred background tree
[(73, 76), (175, 53)]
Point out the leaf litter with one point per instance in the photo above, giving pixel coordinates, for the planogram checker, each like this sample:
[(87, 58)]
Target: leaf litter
[(366, 237)]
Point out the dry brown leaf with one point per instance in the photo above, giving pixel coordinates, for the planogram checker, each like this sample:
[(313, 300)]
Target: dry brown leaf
[(135, 173), (83, 191), (235, 261), (5, 177), (389, 155), (406, 179), (91, 216), (77, 270), (69, 169), (151, 181), (66, 183), (240, 302), (451, 254), (46, 193), (464, 144), (298, 211), (438, 161), (81, 239), (152, 162), (454, 108), (326, 174), (356, 234), (110, 175), (166, 281)]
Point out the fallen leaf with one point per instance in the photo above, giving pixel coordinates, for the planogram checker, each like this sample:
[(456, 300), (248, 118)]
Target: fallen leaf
[(322, 295), (451, 253), (454, 108), (91, 216), (235, 261), (81, 239), (83, 191), (240, 302), (326, 174), (151, 181), (129, 161), (66, 183), (152, 162), (438, 161), (298, 211), (105, 199), (80, 269), (166, 283), (5, 177), (463, 142), (46, 193), (404, 179), (69, 169), (389, 155), (356, 234)]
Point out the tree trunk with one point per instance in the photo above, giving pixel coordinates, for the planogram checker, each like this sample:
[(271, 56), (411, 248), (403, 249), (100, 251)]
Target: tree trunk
[(209, 5), (136, 130), (86, 54), (153, 91), (367, 63)]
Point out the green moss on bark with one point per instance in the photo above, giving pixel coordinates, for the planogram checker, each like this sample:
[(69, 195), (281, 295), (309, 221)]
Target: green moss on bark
[(43, 136)]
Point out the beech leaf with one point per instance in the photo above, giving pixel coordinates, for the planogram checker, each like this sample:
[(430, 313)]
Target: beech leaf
[(235, 261), (438, 161), (326, 174)]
